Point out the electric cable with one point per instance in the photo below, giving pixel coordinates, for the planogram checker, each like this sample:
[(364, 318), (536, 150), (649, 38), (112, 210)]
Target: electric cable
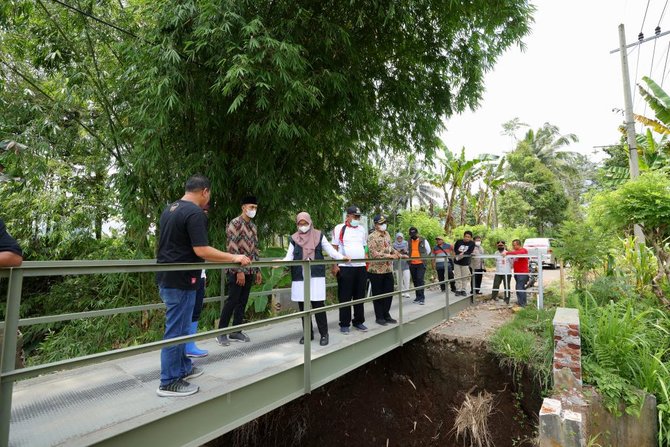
[(644, 19), (662, 14), (665, 65)]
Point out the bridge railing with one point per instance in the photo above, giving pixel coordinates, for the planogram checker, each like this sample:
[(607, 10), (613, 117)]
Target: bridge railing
[(9, 374)]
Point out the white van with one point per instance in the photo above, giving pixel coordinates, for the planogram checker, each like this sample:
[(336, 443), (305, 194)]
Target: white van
[(543, 244)]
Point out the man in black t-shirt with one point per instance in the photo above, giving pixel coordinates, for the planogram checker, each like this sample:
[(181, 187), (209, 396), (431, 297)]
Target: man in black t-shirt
[(463, 249), (183, 239), (10, 251)]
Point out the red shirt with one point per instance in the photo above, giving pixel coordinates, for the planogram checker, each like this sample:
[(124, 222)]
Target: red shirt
[(520, 264)]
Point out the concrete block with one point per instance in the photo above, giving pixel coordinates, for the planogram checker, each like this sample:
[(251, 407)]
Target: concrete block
[(559, 426)]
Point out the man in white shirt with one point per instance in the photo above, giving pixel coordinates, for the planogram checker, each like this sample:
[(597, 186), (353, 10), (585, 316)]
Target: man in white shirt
[(350, 239), (503, 273)]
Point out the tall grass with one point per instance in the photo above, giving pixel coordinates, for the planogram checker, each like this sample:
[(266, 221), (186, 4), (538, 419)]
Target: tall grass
[(626, 348), (527, 342)]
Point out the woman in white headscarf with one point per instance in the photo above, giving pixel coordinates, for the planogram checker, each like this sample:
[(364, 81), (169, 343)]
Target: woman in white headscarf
[(401, 245), (310, 243)]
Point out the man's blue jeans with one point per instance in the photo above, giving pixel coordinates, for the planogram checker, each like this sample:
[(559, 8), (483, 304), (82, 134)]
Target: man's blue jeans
[(521, 281), (174, 363)]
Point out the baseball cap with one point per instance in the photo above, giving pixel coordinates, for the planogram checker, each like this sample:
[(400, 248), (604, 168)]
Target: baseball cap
[(353, 209)]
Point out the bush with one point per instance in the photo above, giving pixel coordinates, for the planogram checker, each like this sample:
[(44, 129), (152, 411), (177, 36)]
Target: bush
[(583, 246), (428, 227), (626, 347)]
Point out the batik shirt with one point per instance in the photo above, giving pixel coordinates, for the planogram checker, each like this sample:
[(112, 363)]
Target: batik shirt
[(243, 240), (379, 245)]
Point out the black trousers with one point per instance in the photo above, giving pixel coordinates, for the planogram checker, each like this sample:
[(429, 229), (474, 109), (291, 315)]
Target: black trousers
[(418, 272), (382, 283), (450, 275), (440, 277), (321, 321), (199, 297), (479, 275), (236, 302), (351, 285), (506, 280)]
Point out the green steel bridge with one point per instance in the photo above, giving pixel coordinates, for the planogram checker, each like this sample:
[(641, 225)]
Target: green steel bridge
[(109, 398)]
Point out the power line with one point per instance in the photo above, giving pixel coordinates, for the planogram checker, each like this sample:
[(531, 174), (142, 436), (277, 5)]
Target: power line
[(644, 19), (662, 14), (637, 65), (665, 65)]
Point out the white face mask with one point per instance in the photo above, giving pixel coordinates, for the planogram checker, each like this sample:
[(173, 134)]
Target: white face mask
[(303, 228), (251, 213), (382, 227), (478, 243), (354, 222)]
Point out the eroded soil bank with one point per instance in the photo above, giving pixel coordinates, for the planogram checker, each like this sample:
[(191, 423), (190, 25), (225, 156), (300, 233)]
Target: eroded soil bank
[(407, 397)]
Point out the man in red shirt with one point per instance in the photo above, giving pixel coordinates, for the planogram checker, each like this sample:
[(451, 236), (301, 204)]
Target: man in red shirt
[(520, 271)]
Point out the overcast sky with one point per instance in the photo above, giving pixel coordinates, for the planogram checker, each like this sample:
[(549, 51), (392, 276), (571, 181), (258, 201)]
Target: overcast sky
[(566, 75)]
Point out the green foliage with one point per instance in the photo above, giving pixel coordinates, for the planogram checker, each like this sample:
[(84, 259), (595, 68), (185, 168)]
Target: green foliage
[(513, 208), (547, 198), (645, 200), (428, 227), (626, 347), (584, 247), (636, 263), (489, 236), (454, 176)]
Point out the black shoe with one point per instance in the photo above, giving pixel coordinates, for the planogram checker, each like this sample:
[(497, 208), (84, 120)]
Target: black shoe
[(381, 322), (302, 339), (324, 340), (239, 337), (391, 320)]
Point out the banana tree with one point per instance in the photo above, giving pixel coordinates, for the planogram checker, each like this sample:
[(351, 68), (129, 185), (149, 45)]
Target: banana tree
[(653, 155), (453, 175)]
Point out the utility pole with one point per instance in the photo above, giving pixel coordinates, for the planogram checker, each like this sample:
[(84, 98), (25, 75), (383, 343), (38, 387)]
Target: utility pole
[(630, 123)]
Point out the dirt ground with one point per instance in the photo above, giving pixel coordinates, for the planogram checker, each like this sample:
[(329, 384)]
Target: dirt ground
[(410, 396)]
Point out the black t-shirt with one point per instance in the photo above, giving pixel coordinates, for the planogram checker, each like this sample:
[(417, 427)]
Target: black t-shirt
[(183, 225), (7, 242), (464, 248)]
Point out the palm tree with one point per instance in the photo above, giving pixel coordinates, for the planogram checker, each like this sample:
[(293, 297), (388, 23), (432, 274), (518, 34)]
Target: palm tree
[(548, 145), (409, 184)]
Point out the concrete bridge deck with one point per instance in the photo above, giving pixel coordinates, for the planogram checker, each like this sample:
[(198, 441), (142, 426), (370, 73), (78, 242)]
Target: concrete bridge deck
[(115, 402)]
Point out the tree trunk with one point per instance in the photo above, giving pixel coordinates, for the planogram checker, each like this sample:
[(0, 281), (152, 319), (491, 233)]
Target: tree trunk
[(449, 219)]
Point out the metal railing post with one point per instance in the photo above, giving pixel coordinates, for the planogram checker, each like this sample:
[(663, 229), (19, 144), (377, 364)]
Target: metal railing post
[(223, 290), (401, 318), (307, 326), (447, 289), (9, 350), (472, 283), (540, 284)]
